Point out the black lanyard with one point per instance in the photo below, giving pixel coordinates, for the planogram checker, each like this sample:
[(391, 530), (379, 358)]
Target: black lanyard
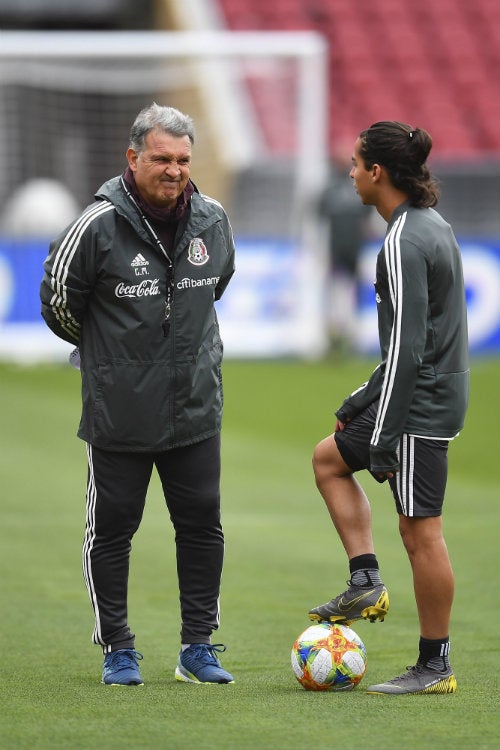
[(169, 299)]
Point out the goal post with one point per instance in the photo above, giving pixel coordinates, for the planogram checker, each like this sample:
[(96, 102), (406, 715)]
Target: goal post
[(259, 102)]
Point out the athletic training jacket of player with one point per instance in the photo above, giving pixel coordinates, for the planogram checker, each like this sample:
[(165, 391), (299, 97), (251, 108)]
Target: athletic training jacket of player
[(105, 289), (423, 379)]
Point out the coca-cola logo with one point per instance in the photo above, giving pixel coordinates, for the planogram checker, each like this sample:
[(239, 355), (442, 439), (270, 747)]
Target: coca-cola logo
[(146, 288)]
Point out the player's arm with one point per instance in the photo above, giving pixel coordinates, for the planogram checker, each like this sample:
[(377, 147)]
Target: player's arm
[(362, 397), (404, 357)]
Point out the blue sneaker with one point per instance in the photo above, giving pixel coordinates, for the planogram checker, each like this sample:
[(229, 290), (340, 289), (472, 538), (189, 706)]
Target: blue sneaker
[(121, 668), (198, 663)]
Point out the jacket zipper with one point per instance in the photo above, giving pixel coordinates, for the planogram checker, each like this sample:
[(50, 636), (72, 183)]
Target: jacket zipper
[(169, 298)]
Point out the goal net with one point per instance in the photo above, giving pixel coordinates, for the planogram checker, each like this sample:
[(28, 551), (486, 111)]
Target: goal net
[(259, 103)]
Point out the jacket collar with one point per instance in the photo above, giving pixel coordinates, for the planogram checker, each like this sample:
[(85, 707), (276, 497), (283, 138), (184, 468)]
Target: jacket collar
[(152, 212), (201, 214)]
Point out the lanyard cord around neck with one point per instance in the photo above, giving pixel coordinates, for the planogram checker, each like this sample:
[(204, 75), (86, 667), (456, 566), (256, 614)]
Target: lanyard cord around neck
[(169, 300)]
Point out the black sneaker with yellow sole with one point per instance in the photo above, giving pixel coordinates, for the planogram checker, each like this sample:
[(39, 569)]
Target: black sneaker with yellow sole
[(356, 603)]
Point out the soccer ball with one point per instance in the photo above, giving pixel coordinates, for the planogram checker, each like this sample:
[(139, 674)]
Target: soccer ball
[(328, 657)]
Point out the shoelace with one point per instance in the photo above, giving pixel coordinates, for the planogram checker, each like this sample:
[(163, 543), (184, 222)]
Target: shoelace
[(415, 669), (122, 659), (207, 651)]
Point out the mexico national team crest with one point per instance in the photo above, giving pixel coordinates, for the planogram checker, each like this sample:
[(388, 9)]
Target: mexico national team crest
[(197, 252)]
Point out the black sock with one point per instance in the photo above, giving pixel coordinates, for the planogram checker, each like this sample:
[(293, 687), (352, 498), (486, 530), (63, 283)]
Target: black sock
[(434, 654), (364, 570)]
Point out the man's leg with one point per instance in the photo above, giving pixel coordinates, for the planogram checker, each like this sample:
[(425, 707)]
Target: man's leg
[(190, 478), (191, 483), (116, 492)]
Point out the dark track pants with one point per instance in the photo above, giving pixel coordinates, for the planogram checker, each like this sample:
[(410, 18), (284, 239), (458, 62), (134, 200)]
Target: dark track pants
[(116, 493)]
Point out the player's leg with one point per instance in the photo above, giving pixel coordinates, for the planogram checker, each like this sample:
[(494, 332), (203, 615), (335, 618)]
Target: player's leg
[(190, 478), (116, 491), (433, 579), (344, 497), (419, 492), (334, 461)]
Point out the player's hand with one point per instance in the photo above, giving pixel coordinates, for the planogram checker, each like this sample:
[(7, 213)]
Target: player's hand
[(385, 475), (380, 458), (74, 358), (339, 426)]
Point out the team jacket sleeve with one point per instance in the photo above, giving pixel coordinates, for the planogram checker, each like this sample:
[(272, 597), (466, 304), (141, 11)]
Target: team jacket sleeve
[(406, 318), (65, 284), (361, 397), (229, 266)]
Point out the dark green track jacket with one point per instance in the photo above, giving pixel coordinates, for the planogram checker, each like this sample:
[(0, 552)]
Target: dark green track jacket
[(104, 289), (422, 382)]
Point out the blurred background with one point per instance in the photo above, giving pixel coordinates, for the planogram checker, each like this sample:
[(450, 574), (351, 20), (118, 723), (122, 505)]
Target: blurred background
[(279, 92)]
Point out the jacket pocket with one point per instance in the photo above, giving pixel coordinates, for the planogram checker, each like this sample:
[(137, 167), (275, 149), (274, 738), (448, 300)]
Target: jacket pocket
[(133, 406), (198, 396)]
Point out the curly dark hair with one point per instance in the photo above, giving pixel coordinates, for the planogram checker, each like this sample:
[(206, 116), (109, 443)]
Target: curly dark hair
[(403, 151)]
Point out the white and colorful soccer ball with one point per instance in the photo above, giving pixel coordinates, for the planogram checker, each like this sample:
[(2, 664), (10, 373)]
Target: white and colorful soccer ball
[(328, 657)]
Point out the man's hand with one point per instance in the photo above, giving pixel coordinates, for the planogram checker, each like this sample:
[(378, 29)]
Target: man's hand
[(385, 475), (384, 463)]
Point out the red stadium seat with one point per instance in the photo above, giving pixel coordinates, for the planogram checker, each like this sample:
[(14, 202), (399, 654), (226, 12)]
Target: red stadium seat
[(436, 61)]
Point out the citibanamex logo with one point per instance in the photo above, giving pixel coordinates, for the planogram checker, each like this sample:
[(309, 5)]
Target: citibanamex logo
[(147, 288)]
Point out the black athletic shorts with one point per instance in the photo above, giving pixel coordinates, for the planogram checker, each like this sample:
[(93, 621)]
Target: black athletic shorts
[(419, 487)]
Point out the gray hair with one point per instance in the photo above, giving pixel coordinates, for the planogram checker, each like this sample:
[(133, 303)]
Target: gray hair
[(167, 119)]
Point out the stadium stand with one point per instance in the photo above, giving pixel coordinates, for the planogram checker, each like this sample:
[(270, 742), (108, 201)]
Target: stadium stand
[(434, 64)]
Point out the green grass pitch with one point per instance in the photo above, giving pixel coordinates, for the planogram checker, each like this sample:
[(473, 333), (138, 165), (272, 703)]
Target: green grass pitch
[(282, 557)]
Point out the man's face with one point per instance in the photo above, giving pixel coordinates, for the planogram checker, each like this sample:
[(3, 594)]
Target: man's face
[(161, 169)]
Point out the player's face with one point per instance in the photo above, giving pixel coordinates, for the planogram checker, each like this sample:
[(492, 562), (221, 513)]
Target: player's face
[(362, 177), (161, 170)]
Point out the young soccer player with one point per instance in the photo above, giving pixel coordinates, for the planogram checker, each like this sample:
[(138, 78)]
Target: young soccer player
[(399, 423)]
